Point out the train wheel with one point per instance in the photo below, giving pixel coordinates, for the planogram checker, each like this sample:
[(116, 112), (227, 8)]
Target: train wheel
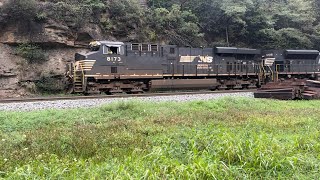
[(108, 93), (237, 86), (222, 87), (213, 88)]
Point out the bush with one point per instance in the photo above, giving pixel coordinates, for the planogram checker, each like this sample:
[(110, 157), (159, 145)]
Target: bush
[(49, 83), (41, 17), (20, 10), (75, 14), (126, 18), (32, 53)]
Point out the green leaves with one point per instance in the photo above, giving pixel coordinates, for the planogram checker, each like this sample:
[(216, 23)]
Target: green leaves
[(20, 10), (49, 83), (293, 38), (32, 53), (247, 23), (175, 25)]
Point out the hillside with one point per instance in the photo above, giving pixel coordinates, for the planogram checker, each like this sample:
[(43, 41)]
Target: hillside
[(37, 37)]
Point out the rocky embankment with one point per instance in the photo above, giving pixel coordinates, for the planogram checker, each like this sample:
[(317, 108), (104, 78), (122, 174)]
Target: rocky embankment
[(59, 40)]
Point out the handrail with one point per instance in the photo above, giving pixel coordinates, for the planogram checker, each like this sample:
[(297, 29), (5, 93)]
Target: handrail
[(277, 71), (272, 74), (74, 72), (83, 76), (296, 67), (262, 71)]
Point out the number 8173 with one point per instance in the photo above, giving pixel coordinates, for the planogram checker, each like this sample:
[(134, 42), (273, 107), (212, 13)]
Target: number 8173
[(114, 59)]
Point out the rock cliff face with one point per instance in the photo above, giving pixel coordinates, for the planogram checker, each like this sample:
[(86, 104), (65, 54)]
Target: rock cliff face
[(16, 75), (49, 33), (58, 40), (59, 28), (8, 72)]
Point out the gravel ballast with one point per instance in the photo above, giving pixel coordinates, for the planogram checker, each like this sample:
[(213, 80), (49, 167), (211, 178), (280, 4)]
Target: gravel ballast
[(89, 103)]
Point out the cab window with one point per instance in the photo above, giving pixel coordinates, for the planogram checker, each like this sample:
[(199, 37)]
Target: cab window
[(172, 50), (135, 47), (111, 50), (154, 47)]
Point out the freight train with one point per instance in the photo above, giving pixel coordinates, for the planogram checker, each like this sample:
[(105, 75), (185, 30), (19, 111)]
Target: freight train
[(118, 67)]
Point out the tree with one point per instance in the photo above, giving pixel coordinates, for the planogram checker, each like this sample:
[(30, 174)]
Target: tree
[(247, 23), (125, 17), (179, 27)]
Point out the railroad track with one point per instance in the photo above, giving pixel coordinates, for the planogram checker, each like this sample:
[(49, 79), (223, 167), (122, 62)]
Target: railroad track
[(39, 99)]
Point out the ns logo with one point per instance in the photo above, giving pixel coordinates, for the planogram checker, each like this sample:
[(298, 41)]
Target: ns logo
[(198, 59)]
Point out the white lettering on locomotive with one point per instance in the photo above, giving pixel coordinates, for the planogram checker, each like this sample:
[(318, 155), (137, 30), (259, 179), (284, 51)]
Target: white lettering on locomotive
[(114, 59), (269, 55), (203, 66), (199, 59)]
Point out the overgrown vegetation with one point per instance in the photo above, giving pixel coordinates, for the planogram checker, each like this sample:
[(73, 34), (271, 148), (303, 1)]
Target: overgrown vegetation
[(32, 53), (223, 139), (49, 83), (248, 23), (20, 10)]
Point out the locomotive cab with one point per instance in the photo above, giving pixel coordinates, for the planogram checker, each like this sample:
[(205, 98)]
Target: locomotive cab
[(108, 47), (293, 61), (301, 60), (108, 58)]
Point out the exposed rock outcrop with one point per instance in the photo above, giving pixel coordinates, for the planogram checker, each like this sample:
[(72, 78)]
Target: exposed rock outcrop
[(17, 77), (50, 33), (9, 72), (60, 40), (59, 28)]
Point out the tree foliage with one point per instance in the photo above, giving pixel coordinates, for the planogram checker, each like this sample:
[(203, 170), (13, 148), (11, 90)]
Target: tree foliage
[(24, 10), (247, 23), (125, 18), (49, 83), (32, 53), (175, 25)]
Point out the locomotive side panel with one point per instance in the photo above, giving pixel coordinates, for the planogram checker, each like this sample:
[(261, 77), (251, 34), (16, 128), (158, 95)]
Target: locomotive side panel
[(236, 61), (144, 60), (193, 62)]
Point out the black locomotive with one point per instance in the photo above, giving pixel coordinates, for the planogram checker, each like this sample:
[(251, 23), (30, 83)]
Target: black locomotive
[(116, 67)]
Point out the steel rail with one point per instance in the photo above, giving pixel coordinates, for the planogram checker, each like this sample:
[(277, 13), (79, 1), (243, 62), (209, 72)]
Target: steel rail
[(40, 99)]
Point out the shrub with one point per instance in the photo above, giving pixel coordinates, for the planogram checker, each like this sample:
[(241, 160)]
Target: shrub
[(74, 14), (41, 17), (126, 18), (49, 83), (32, 53), (20, 9)]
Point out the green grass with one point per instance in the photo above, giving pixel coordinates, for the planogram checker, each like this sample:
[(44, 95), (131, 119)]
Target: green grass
[(222, 139)]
